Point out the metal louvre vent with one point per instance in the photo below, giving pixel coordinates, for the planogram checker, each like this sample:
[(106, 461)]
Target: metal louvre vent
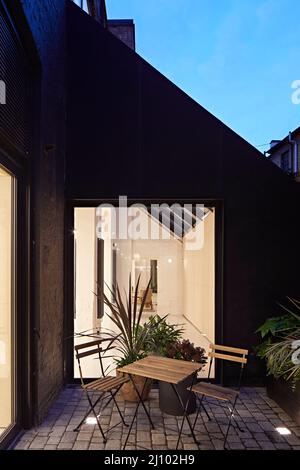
[(14, 75)]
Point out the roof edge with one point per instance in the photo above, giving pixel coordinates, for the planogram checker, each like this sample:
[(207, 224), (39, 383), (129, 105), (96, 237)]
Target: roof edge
[(122, 22), (283, 142)]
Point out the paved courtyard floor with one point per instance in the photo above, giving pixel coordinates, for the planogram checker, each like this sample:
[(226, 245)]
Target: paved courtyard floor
[(258, 416)]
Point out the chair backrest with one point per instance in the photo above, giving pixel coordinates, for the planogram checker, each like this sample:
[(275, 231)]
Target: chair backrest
[(149, 296), (228, 353), (91, 348)]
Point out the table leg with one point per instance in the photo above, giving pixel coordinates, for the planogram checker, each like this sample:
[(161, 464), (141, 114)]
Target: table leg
[(140, 395), (185, 409)]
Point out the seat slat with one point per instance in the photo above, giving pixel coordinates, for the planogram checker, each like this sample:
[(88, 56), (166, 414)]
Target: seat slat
[(215, 391), (106, 384), (113, 384)]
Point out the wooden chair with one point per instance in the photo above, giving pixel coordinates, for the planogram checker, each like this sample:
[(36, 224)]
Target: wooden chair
[(209, 390), (106, 386), (148, 301)]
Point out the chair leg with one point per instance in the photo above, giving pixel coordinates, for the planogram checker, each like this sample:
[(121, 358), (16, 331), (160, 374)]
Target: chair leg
[(185, 415), (198, 412), (206, 412), (77, 429), (227, 431), (230, 421), (140, 395), (235, 420), (201, 405), (113, 397), (98, 421)]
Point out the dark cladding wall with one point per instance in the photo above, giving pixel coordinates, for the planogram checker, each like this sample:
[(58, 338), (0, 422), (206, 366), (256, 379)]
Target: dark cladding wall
[(138, 134), (46, 19)]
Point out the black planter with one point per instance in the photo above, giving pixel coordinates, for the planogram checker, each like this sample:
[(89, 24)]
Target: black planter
[(168, 400), (287, 398)]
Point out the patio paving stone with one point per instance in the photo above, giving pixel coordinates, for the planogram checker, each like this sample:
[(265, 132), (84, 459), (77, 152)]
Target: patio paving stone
[(257, 415)]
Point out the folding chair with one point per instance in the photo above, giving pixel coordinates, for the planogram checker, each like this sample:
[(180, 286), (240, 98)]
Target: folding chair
[(107, 386), (223, 394)]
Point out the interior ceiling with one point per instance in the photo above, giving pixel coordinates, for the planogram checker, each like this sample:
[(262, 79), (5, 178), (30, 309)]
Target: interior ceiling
[(180, 220)]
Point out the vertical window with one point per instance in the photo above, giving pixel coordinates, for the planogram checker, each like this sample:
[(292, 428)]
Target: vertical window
[(7, 244), (100, 277), (153, 265), (285, 162), (114, 272)]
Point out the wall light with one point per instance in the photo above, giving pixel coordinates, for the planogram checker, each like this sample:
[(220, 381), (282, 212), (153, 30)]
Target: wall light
[(170, 261)]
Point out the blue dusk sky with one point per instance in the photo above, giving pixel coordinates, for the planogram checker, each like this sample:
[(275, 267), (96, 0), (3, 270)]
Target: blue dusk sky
[(237, 58)]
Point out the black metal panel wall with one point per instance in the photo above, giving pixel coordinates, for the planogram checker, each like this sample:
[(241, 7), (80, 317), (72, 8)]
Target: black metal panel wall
[(14, 74)]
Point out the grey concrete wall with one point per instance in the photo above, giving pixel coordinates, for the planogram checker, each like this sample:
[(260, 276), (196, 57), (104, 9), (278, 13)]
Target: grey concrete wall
[(46, 19)]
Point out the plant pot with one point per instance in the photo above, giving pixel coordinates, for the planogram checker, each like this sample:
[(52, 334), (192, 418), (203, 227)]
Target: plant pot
[(288, 399), (128, 391), (168, 400)]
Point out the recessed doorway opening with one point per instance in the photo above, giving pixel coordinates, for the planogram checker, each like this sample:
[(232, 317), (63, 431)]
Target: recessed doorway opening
[(182, 276)]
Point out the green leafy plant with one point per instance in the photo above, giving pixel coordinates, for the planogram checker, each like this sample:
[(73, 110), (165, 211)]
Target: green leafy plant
[(279, 358), (276, 325), (281, 337), (161, 335), (186, 351), (126, 314)]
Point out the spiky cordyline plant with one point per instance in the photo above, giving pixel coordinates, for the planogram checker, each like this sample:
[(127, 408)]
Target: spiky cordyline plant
[(127, 318)]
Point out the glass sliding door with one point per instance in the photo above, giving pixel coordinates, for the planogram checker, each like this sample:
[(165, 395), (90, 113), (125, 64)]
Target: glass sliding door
[(7, 314)]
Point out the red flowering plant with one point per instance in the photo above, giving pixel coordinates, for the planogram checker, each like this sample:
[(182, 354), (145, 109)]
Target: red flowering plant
[(186, 351)]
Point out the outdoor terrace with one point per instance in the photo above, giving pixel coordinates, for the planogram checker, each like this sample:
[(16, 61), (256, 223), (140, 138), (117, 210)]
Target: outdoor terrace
[(259, 416)]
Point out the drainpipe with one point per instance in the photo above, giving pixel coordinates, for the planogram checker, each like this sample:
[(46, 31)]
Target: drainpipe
[(294, 155)]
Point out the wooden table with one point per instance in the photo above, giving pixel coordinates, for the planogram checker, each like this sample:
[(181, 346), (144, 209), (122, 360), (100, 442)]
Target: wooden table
[(172, 371)]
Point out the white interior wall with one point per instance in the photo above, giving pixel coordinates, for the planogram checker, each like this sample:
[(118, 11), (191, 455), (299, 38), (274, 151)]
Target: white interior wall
[(86, 220), (168, 254), (199, 281), (134, 256), (124, 265), (85, 266)]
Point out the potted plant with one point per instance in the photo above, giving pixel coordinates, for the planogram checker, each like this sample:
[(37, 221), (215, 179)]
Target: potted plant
[(161, 335), (280, 349), (126, 314), (168, 401)]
